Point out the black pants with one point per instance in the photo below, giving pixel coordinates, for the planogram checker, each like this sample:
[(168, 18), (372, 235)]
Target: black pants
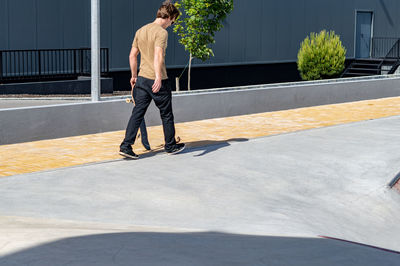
[(143, 97)]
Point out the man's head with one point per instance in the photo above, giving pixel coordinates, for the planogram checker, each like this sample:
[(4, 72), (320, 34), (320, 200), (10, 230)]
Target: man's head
[(168, 11)]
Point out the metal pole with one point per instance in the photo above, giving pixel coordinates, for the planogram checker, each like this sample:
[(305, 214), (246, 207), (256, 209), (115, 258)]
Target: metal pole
[(398, 49), (95, 53), (177, 83), (40, 65), (1, 66)]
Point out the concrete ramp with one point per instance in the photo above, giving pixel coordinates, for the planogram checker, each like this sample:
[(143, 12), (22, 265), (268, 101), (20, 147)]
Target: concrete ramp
[(269, 199)]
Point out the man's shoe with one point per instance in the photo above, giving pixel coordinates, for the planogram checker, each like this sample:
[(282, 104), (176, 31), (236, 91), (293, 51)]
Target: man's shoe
[(177, 148), (128, 154)]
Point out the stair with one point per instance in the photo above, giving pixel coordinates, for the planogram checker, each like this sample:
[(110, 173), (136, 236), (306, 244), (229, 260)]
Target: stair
[(363, 67), (368, 67)]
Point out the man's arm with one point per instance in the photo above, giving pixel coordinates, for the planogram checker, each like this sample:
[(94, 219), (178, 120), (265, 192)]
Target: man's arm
[(133, 64), (158, 63)]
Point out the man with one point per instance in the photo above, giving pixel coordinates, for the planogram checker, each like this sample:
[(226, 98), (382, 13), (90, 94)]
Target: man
[(152, 82)]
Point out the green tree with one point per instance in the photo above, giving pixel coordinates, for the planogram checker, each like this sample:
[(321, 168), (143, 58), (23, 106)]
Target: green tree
[(321, 56), (197, 25)]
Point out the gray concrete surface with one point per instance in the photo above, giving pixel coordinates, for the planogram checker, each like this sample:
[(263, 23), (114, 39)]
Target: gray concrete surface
[(78, 86), (263, 201), (18, 103), (113, 113)]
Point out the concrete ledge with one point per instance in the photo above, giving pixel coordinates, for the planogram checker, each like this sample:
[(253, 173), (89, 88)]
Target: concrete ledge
[(266, 98), (46, 122), (57, 121), (80, 86)]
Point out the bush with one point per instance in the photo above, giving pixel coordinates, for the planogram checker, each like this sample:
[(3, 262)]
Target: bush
[(321, 56)]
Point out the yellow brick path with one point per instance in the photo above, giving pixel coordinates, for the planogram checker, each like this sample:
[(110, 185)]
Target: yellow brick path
[(56, 153)]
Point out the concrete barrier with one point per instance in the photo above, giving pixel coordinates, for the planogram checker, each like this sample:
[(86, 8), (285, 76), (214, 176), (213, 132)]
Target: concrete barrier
[(79, 86), (46, 122)]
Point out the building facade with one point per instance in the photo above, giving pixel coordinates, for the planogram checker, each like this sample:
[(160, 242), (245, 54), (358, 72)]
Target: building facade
[(259, 42)]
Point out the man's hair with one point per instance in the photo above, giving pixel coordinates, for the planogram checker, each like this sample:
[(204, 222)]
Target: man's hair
[(167, 10)]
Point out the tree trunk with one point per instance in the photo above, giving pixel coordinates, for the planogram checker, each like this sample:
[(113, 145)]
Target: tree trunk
[(190, 68)]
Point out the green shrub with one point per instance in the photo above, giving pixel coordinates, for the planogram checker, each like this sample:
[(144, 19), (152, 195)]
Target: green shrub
[(321, 56)]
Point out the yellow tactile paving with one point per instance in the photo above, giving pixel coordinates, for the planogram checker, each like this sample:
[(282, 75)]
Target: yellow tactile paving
[(56, 153)]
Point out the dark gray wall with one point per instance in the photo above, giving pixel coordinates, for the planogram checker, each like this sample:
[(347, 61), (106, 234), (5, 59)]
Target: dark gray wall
[(94, 117), (258, 31)]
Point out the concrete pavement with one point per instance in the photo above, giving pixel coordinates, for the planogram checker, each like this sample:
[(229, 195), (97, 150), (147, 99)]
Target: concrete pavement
[(71, 151), (248, 201)]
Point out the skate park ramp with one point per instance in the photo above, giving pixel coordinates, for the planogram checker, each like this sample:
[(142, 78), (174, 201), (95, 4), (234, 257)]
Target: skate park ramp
[(275, 200)]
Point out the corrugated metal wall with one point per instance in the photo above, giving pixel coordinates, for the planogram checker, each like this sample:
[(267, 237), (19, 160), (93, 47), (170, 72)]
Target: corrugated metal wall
[(258, 31)]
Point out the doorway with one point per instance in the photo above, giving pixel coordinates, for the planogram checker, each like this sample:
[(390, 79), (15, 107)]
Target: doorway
[(364, 21)]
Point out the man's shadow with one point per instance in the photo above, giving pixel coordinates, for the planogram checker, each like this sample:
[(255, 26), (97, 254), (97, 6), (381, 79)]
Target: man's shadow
[(206, 146)]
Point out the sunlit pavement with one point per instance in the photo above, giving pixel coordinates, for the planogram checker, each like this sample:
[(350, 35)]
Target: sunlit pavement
[(260, 189)]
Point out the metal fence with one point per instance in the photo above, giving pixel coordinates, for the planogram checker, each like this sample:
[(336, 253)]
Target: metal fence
[(395, 51), (50, 64), (386, 47)]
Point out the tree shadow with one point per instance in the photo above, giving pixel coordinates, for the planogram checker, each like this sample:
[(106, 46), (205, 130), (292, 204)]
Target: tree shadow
[(203, 249), (387, 13)]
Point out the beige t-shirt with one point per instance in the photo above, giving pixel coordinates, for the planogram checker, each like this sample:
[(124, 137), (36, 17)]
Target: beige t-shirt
[(146, 39)]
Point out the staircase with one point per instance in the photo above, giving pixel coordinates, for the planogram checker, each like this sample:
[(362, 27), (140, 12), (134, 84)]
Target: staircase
[(385, 59), (369, 67)]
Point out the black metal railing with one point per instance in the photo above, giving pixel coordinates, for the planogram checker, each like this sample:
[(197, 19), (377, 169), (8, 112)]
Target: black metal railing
[(395, 51), (385, 47), (50, 64)]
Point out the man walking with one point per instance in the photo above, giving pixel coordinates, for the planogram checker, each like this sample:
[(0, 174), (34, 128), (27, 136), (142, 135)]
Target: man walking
[(152, 82)]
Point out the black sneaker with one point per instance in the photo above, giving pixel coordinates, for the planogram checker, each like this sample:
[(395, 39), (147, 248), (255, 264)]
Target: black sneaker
[(177, 148), (128, 154)]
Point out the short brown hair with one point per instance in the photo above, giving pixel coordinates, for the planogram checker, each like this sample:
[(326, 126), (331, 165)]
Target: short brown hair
[(168, 10)]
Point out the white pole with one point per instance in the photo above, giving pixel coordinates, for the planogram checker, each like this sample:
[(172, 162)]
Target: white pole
[(95, 84), (177, 83)]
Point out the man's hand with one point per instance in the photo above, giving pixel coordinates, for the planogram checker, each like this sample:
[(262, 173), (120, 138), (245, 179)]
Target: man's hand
[(133, 81), (156, 85)]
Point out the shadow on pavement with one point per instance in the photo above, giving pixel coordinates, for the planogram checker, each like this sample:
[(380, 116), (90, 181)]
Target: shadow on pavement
[(203, 249), (206, 146)]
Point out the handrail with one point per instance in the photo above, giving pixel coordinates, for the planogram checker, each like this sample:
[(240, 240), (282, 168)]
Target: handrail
[(392, 52), (395, 46), (381, 46), (395, 65)]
